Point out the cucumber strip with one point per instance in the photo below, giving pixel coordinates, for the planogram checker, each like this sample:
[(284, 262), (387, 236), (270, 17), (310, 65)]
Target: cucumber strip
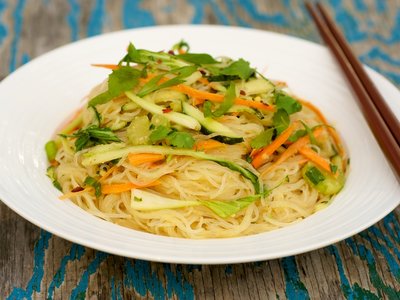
[(256, 86), (94, 156), (147, 201), (211, 125), (173, 116)]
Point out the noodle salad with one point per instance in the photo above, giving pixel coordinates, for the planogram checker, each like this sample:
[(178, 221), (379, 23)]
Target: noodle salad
[(188, 145)]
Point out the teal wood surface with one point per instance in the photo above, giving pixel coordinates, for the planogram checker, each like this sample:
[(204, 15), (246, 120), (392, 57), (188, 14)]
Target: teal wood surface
[(34, 264)]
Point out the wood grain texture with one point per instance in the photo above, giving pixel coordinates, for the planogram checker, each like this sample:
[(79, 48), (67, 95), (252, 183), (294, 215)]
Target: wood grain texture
[(35, 264)]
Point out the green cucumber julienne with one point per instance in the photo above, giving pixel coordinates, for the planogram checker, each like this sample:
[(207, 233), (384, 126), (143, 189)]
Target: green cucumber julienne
[(178, 118), (93, 157), (212, 126)]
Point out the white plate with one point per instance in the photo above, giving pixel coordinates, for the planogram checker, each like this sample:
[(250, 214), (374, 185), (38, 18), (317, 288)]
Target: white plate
[(40, 95)]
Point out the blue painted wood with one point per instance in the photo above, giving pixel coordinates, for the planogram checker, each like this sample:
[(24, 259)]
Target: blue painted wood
[(352, 16)]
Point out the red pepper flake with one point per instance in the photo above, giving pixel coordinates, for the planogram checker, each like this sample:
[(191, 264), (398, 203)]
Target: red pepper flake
[(171, 52), (166, 110), (77, 189), (203, 72), (159, 61), (243, 93)]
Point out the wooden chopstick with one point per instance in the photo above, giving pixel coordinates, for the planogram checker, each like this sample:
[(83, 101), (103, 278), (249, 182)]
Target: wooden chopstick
[(374, 94), (376, 118)]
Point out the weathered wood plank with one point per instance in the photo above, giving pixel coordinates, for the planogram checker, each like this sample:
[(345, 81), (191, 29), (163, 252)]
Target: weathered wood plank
[(38, 264)]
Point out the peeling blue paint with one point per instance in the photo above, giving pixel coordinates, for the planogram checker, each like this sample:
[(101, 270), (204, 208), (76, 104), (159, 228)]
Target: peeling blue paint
[(79, 292), (75, 253), (360, 5), (73, 18), (135, 16), (34, 283), (115, 292), (295, 288), (176, 283), (18, 21), (392, 226), (277, 19), (3, 27), (376, 53), (394, 267), (96, 20), (394, 37)]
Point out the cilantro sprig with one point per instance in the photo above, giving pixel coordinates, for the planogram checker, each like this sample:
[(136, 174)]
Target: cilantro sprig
[(93, 135), (175, 138)]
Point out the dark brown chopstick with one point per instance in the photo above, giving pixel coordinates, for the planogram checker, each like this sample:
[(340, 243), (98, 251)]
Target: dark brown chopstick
[(376, 118), (374, 94)]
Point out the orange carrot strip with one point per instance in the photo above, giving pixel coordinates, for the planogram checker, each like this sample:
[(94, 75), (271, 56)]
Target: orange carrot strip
[(203, 95), (107, 66), (207, 145), (293, 149), (203, 80), (140, 158), (262, 157), (315, 158), (331, 130), (108, 173), (123, 187)]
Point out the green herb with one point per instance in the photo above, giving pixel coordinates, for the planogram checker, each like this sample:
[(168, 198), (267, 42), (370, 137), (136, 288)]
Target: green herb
[(180, 139), (160, 133), (229, 100), (197, 58), (95, 184), (314, 175), (289, 104), (51, 150), (310, 133), (226, 209), (123, 79), (182, 45), (152, 85), (263, 139), (174, 138), (239, 68), (137, 199), (296, 135), (333, 168), (93, 135), (281, 120)]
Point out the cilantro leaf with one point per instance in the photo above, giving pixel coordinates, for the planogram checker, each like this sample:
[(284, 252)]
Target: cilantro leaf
[(93, 135), (263, 139), (229, 100), (180, 139), (333, 168), (197, 58), (152, 85), (289, 104), (240, 68), (226, 209), (281, 120), (120, 80), (310, 133), (160, 133), (95, 184)]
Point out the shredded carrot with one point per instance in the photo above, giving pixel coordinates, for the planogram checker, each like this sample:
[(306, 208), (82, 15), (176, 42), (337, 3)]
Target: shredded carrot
[(331, 130), (108, 173), (140, 158), (107, 66), (203, 80), (201, 96), (123, 187), (207, 145), (263, 155), (72, 194), (293, 149), (315, 158)]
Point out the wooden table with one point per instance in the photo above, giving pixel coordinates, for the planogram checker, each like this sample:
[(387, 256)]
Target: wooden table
[(36, 264)]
